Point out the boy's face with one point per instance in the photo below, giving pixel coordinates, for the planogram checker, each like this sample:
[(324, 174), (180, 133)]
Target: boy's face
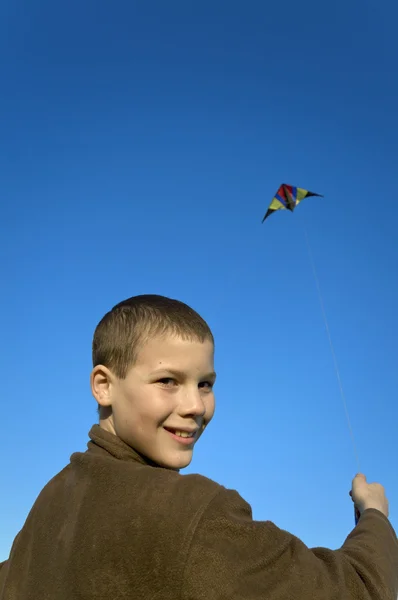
[(166, 395)]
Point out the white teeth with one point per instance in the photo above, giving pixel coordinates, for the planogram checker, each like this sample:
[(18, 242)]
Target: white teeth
[(184, 434)]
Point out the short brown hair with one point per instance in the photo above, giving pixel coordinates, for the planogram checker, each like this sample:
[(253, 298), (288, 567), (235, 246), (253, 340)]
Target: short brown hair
[(122, 331)]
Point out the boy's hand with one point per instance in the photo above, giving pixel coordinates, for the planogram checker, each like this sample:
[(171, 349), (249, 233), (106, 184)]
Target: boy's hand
[(368, 495)]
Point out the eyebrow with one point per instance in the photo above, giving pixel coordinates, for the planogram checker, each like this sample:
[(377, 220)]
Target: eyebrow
[(181, 374)]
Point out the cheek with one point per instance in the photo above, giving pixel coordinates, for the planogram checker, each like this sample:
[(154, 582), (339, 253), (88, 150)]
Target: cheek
[(128, 406), (210, 404), (154, 406)]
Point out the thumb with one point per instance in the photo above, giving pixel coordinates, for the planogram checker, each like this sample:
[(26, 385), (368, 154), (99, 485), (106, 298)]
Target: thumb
[(359, 485), (359, 478)]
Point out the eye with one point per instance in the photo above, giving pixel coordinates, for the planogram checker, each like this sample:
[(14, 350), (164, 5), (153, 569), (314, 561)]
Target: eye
[(167, 381), (207, 385)]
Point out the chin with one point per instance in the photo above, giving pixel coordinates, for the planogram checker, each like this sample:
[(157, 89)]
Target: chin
[(176, 463)]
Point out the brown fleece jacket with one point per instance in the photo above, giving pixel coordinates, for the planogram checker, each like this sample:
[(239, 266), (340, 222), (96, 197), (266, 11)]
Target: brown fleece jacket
[(110, 527)]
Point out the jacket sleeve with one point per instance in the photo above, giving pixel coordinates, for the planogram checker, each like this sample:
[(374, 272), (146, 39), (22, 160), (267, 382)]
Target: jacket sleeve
[(233, 557), (3, 569)]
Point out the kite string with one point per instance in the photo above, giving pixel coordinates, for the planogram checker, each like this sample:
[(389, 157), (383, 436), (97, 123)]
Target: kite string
[(332, 349)]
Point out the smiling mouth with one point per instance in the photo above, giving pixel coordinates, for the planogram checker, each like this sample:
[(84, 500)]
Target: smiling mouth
[(181, 433)]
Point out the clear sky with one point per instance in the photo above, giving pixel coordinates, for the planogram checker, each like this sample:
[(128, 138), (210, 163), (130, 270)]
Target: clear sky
[(140, 145)]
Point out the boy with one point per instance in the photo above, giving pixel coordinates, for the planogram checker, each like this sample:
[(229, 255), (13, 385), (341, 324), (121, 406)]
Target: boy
[(120, 521)]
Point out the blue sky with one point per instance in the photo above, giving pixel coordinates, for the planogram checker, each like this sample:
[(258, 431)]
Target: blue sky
[(140, 145)]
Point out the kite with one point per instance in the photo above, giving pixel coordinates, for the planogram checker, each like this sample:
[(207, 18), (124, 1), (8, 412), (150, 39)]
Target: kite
[(286, 198)]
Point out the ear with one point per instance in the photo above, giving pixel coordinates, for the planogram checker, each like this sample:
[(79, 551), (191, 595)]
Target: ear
[(101, 381)]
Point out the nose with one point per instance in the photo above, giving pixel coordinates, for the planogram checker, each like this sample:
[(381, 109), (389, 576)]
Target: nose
[(192, 403)]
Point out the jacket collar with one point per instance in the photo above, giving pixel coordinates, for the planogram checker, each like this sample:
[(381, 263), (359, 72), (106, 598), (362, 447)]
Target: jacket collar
[(104, 441)]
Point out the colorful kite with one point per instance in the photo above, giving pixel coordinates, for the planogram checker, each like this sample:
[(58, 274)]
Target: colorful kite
[(287, 197)]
